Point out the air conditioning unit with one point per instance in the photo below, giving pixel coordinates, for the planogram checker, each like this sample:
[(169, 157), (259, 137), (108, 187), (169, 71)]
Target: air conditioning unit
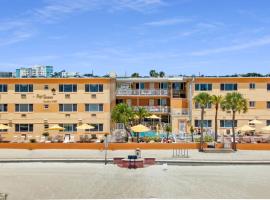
[(23, 96), (93, 96), (23, 115), (67, 96), (93, 115), (67, 115)]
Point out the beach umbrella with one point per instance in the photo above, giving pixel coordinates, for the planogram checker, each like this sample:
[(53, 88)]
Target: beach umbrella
[(153, 117), (139, 129), (246, 128), (85, 127), (56, 128)]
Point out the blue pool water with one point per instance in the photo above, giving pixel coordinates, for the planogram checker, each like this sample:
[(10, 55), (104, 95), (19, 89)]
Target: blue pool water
[(151, 134)]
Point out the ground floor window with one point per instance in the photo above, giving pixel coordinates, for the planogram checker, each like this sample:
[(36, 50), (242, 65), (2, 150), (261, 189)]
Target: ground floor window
[(227, 123), (69, 127), (267, 122), (206, 123), (23, 127), (98, 128)]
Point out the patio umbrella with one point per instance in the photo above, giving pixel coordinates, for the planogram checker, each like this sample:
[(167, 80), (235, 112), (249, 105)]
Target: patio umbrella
[(139, 129), (4, 127), (266, 128), (255, 121), (153, 117), (245, 128), (56, 128)]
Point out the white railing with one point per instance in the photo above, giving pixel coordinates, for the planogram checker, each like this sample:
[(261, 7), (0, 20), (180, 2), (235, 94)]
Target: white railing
[(158, 109), (180, 112), (144, 92)]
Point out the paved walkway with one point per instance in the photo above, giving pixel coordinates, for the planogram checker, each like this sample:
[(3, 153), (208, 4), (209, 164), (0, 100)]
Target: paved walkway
[(194, 155)]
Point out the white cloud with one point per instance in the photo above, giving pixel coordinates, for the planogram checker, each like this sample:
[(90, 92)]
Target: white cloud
[(168, 22), (252, 44)]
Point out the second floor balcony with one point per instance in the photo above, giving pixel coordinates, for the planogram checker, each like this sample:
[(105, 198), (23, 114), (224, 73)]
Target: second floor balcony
[(142, 92), (156, 109)]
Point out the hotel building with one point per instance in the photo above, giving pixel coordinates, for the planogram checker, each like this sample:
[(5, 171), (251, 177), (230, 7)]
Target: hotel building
[(31, 105)]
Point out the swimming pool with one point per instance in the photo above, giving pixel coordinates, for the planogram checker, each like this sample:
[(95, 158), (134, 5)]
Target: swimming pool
[(151, 134)]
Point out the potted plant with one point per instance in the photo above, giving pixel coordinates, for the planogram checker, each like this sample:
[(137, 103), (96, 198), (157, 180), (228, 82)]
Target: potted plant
[(168, 130)]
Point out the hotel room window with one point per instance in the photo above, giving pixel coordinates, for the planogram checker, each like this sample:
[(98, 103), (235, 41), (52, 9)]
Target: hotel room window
[(67, 107), (203, 87), (227, 123), (268, 86), (23, 127), (3, 107), (252, 104), (98, 128), (93, 107), (206, 123), (23, 88), (93, 88), (3, 88), (46, 87), (268, 104), (23, 107), (252, 86), (267, 122), (67, 88), (208, 106), (228, 86)]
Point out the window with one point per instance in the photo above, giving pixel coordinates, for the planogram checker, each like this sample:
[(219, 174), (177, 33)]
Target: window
[(268, 86), (93, 88), (228, 86), (23, 107), (252, 104), (68, 88), (4, 130), (206, 123), (208, 106), (3, 107), (3, 88), (67, 107), (267, 122), (162, 102), (252, 86), (178, 86), (69, 127), (203, 87), (23, 127), (46, 106), (23, 88), (163, 86), (93, 107), (268, 104), (46, 87), (227, 123), (98, 128)]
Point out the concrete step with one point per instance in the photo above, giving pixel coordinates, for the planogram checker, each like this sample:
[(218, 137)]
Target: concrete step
[(213, 150)]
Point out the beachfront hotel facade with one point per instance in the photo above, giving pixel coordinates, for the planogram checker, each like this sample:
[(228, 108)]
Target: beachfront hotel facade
[(31, 105)]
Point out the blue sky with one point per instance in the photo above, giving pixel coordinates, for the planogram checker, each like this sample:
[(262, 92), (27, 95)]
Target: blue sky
[(177, 36)]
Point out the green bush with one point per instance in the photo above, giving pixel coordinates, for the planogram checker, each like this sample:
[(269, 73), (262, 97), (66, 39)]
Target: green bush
[(207, 138)]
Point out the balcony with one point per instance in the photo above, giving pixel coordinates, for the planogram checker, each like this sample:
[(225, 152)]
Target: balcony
[(145, 92), (180, 112), (156, 109)]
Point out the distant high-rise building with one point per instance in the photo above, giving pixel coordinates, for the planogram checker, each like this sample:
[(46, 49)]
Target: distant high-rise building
[(38, 71), (6, 74), (65, 74)]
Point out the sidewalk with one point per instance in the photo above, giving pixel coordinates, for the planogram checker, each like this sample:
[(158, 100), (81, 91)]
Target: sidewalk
[(194, 155)]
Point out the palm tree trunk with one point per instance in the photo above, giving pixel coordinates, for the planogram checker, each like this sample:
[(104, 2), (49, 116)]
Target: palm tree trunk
[(233, 130), (216, 121), (201, 139), (128, 131)]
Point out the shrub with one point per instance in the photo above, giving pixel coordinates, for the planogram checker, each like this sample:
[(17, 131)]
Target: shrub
[(33, 141), (207, 138)]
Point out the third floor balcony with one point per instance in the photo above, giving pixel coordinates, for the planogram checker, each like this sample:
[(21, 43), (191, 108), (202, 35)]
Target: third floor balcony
[(142, 92)]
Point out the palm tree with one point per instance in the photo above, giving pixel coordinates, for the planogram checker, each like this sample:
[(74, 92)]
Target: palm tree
[(135, 75), (202, 99), (153, 73), (161, 74), (122, 113), (234, 102), (216, 101), (142, 113)]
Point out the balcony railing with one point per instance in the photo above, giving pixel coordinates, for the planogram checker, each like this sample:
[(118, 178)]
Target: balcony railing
[(180, 112), (156, 109), (144, 92)]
